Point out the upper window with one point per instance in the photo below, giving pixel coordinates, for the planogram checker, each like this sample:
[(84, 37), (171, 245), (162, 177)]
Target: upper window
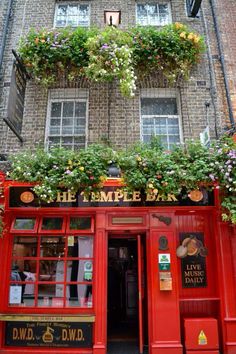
[(71, 15), (67, 123), (153, 14), (159, 117)]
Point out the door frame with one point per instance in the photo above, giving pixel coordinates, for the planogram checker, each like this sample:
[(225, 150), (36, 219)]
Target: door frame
[(141, 240)]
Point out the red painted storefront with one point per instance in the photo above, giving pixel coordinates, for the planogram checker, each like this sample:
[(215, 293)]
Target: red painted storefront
[(160, 289)]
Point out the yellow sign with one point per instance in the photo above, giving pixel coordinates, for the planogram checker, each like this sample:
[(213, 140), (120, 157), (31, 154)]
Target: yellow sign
[(202, 339)]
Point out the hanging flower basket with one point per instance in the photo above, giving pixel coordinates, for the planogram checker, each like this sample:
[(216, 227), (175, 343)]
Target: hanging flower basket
[(102, 55)]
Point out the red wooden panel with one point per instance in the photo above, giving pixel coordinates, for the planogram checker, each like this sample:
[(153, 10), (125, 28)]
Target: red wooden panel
[(233, 248)]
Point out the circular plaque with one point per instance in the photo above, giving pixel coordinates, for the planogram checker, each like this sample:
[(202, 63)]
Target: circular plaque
[(196, 195), (27, 197)]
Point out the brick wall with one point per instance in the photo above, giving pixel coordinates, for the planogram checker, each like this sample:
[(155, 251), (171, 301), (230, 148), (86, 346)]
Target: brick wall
[(111, 116), (226, 12)]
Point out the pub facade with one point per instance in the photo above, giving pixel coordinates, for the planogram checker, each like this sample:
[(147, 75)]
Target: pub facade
[(81, 272)]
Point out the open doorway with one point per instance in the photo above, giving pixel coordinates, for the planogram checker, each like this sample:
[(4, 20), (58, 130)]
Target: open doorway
[(126, 280)]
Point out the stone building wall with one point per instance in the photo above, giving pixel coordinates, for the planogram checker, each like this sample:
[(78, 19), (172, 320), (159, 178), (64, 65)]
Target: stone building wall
[(112, 117)]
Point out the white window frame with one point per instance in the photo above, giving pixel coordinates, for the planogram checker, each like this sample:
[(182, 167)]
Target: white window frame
[(162, 93), (71, 3), (66, 95), (154, 3)]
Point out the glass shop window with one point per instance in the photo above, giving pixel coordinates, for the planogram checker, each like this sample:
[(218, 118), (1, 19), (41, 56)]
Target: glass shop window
[(24, 223), (52, 223), (81, 223), (51, 271)]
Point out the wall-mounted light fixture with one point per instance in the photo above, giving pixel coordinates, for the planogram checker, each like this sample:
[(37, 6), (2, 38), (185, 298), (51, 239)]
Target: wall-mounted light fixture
[(112, 18)]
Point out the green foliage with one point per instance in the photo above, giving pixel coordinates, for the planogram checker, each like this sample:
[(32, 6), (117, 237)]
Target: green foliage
[(84, 170), (172, 50), (47, 54), (145, 167), (110, 56), (103, 55)]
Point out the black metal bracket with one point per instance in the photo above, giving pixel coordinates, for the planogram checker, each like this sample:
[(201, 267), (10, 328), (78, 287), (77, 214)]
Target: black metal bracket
[(165, 219)]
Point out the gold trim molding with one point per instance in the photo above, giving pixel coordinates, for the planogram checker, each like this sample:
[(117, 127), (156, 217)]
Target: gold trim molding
[(47, 318)]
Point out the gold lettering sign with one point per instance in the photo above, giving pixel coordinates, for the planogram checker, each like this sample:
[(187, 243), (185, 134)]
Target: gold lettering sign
[(52, 334), (115, 196)]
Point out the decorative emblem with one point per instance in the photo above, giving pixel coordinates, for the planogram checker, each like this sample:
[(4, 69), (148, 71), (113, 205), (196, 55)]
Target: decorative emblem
[(191, 246), (48, 336), (163, 243), (27, 197), (196, 195)]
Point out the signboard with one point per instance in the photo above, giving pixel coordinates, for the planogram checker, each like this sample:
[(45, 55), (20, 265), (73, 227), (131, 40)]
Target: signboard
[(165, 281), (164, 266), (193, 262), (15, 294), (108, 196), (48, 334), (16, 100), (164, 257), (205, 137)]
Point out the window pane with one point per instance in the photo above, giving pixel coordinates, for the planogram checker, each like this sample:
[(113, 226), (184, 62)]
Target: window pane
[(67, 141), (61, 10), (81, 270), (174, 139), (80, 223), (24, 247), (153, 14), (46, 293), (23, 270), (160, 130), (56, 109), (55, 122), (164, 14), (173, 130), (53, 142), (80, 109), (24, 224), (47, 270), (21, 295), (81, 246), (52, 246), (79, 295), (68, 108), (166, 128), (67, 130), (142, 15), (54, 131), (52, 223), (160, 106), (84, 15), (67, 121), (80, 140)]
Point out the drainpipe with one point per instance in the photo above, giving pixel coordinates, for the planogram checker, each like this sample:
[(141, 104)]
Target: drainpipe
[(223, 66), (4, 34)]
